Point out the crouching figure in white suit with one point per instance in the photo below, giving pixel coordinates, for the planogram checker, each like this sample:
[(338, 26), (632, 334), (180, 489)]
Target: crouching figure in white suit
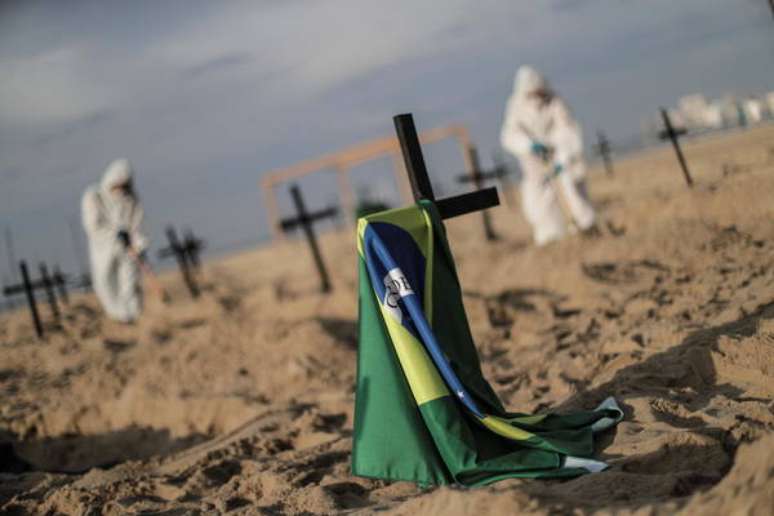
[(542, 133), (112, 217)]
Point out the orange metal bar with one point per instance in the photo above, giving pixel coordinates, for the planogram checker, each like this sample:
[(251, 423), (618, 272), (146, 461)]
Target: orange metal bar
[(344, 160)]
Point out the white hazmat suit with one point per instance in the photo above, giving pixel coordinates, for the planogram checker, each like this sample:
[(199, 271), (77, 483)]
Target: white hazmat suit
[(533, 123), (110, 218)]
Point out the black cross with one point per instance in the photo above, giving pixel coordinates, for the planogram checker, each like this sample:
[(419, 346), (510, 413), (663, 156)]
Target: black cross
[(28, 287), (82, 282), (183, 254), (602, 148), (504, 178), (306, 220), (477, 177), (60, 281), (673, 134), (193, 246), (420, 181), (48, 286)]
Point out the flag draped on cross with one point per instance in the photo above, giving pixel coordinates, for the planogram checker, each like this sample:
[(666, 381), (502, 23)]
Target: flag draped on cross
[(424, 411)]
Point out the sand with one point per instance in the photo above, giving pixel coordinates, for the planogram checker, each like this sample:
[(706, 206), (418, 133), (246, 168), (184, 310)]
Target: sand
[(242, 401)]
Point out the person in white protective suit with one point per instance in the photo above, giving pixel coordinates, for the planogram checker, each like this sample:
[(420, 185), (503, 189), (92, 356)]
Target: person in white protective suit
[(112, 217), (540, 131)]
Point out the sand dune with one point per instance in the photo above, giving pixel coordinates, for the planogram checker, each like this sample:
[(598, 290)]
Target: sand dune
[(242, 401)]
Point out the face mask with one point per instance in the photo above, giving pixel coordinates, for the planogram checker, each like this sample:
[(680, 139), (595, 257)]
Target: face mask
[(123, 191)]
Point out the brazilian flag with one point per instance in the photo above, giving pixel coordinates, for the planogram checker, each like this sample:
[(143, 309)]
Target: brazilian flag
[(423, 411)]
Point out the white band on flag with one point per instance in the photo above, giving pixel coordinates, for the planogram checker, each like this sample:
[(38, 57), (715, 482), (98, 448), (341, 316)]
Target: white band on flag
[(397, 286)]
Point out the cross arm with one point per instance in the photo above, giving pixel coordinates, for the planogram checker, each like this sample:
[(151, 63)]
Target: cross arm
[(669, 130), (467, 203), (12, 290), (193, 244), (169, 251), (666, 135), (492, 174), (292, 223)]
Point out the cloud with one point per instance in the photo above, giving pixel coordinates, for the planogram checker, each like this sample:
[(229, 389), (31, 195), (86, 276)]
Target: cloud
[(316, 46), (50, 87), (72, 126), (218, 64)]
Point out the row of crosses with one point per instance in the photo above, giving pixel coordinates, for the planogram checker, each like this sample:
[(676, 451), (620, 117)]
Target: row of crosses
[(51, 284), (186, 251), (54, 284)]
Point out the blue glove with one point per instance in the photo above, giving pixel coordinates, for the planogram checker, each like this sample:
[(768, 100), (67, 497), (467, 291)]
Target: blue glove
[(558, 168), (539, 150)]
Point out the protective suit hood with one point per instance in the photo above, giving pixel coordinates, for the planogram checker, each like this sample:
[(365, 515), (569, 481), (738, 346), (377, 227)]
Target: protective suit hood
[(527, 80), (119, 172)]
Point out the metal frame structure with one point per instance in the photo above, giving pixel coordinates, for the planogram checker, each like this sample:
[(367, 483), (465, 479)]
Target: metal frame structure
[(343, 161)]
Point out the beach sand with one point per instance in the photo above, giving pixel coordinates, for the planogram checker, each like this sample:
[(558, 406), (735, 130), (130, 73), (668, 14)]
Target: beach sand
[(242, 401)]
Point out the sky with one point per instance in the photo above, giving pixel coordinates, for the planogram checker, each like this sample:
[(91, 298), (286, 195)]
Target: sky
[(204, 97)]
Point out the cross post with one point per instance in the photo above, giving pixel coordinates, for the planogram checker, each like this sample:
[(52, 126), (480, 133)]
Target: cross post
[(177, 250), (28, 289), (193, 246), (306, 220), (477, 177), (673, 134), (503, 173), (84, 282), (60, 281), (48, 286), (9, 303), (420, 181), (602, 148)]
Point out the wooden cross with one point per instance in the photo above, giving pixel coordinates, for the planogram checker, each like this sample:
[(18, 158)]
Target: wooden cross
[(182, 254), (504, 179), (421, 187), (602, 149), (82, 282), (673, 134), (48, 286), (28, 287), (477, 177), (306, 221), (193, 245), (60, 281)]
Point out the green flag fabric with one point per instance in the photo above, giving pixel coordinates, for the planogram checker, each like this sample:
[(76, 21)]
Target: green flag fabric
[(423, 410)]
